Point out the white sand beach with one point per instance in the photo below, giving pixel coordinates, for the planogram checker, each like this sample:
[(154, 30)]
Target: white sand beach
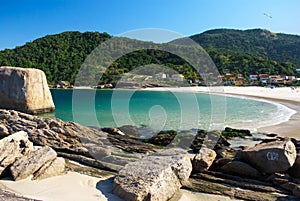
[(69, 187), (282, 93)]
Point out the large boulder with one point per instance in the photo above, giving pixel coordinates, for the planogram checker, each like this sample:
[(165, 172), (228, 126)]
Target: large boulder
[(154, 177), (204, 159), (271, 157), (32, 162), (14, 147), (25, 89)]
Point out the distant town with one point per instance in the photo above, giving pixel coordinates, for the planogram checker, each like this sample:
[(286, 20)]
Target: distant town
[(228, 79)]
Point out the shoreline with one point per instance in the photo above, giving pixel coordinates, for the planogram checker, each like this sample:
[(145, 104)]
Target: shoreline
[(289, 128), (284, 96)]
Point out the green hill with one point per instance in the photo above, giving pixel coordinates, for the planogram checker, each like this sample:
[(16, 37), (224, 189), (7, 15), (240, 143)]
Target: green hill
[(251, 51), (254, 42), (59, 55)]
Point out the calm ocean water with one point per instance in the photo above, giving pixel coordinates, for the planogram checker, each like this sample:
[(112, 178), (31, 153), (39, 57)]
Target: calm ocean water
[(164, 110)]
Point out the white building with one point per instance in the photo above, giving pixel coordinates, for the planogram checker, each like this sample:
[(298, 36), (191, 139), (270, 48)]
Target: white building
[(177, 77), (253, 77), (160, 76)]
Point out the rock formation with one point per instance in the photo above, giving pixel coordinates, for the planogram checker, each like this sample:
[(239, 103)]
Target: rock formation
[(25, 89), (32, 162), (271, 157), (14, 147), (240, 169), (88, 146), (51, 168), (204, 159), (245, 175), (19, 157), (155, 177)]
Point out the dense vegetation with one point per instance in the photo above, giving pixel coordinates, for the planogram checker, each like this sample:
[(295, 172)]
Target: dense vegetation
[(255, 42), (59, 56), (251, 51)]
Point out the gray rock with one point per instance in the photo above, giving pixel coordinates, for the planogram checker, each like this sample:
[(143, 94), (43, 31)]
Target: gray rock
[(32, 162), (86, 145), (3, 131), (154, 177), (204, 159), (51, 169), (295, 170), (271, 157), (130, 130), (25, 89), (292, 187), (12, 196), (296, 191), (241, 169), (14, 147)]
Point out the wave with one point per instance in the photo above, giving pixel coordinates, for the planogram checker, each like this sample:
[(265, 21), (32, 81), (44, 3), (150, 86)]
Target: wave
[(280, 115)]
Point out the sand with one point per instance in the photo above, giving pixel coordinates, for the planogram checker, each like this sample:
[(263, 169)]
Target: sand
[(69, 187)]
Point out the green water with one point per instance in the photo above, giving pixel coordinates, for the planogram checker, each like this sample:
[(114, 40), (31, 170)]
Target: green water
[(164, 110)]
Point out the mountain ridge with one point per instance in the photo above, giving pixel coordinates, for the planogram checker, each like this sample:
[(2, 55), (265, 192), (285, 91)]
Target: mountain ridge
[(238, 51)]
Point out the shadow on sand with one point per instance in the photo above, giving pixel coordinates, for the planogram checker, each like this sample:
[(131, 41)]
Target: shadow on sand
[(106, 187)]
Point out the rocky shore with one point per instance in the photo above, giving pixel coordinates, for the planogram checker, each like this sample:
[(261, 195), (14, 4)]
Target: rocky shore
[(155, 168)]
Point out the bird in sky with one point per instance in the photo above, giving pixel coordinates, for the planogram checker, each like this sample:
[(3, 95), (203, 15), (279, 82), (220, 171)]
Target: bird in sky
[(267, 15)]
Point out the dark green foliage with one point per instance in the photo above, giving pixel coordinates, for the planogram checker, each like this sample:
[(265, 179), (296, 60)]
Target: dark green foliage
[(252, 51), (231, 132), (59, 56), (163, 138), (256, 42)]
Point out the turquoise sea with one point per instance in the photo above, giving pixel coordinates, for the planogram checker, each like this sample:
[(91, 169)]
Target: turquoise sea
[(164, 110)]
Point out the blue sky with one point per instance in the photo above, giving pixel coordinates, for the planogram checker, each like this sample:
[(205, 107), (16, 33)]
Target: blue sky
[(22, 21)]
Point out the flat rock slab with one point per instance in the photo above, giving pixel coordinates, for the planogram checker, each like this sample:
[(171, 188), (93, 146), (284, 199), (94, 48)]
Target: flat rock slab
[(32, 162), (88, 146), (154, 177), (25, 89), (14, 147), (271, 157), (51, 169), (11, 196), (241, 169)]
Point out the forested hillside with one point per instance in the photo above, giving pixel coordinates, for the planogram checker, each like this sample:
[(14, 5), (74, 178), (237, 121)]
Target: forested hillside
[(251, 51), (254, 42), (59, 55)]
